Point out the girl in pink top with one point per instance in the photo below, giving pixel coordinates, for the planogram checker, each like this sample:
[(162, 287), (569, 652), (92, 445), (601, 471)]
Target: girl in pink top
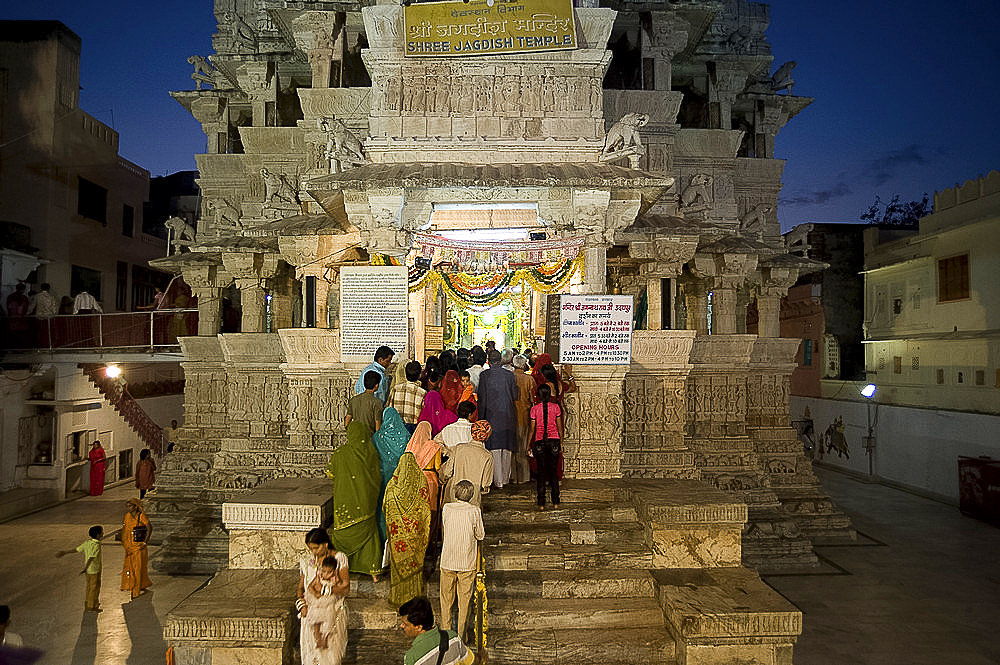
[(547, 425)]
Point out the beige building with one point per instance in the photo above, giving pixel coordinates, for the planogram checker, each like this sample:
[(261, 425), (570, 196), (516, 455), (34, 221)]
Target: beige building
[(71, 213), (77, 203), (931, 305)]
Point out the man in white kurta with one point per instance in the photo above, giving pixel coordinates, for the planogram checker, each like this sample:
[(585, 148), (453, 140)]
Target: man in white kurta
[(462, 525)]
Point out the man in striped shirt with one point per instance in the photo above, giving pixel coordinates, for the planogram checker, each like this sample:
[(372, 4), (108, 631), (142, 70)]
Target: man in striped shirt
[(408, 398)]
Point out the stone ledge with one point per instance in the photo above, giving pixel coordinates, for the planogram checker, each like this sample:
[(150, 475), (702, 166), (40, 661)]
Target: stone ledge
[(678, 501), (723, 605), (222, 614), (281, 504)]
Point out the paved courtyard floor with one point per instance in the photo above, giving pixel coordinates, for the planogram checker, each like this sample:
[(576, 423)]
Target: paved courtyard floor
[(921, 587)]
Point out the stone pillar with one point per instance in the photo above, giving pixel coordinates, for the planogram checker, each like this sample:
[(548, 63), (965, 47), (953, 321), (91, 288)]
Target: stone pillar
[(724, 272), (696, 305), (655, 406), (726, 455), (252, 304), (593, 422), (259, 80), (773, 285), (183, 474), (595, 269), (771, 116), (258, 398), (780, 451), (318, 390), (250, 272), (209, 309), (654, 303), (667, 34), (723, 88), (212, 111)]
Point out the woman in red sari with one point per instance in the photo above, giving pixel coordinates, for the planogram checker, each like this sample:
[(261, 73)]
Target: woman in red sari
[(536, 370), (451, 390), (98, 464)]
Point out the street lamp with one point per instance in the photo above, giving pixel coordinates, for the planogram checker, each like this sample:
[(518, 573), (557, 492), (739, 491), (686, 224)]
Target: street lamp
[(868, 392), (112, 371)]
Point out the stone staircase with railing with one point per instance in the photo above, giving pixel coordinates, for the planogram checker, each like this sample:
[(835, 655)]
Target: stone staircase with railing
[(625, 571), (148, 431)]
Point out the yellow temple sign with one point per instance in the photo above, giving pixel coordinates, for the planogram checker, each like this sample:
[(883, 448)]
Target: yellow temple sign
[(482, 27)]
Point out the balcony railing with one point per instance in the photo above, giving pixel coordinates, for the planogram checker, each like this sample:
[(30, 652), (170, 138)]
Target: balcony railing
[(147, 331)]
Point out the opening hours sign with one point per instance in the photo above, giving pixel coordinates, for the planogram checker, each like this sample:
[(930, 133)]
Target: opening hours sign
[(482, 27), (595, 330)]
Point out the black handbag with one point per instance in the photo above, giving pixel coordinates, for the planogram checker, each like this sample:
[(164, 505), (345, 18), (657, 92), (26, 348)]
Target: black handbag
[(139, 533)]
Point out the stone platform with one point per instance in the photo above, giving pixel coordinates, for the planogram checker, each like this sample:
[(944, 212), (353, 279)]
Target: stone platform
[(625, 571)]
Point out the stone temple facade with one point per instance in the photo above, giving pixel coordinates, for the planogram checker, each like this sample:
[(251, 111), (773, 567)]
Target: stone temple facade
[(653, 140)]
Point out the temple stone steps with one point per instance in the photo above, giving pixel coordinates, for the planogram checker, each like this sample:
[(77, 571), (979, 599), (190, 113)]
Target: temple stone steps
[(816, 515), (600, 614), (571, 584), (599, 533), (578, 646)]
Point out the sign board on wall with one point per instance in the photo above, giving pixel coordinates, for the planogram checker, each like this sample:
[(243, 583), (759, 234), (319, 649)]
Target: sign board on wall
[(481, 27), (595, 330), (552, 318), (373, 311)]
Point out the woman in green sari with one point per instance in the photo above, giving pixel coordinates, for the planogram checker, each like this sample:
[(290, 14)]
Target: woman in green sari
[(356, 481), (390, 441), (409, 519)]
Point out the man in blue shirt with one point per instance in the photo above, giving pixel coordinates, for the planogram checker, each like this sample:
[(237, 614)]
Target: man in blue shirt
[(383, 358)]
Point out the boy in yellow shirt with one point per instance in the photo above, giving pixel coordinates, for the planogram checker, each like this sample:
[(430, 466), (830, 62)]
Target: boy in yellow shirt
[(92, 567)]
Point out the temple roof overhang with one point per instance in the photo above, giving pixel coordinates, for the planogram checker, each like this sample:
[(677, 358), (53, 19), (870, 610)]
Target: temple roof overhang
[(371, 178)]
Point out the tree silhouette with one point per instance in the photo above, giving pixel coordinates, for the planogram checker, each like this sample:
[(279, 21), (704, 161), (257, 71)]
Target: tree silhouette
[(896, 213)]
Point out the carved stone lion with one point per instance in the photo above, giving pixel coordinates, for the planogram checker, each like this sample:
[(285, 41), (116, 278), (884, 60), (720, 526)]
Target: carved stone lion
[(625, 133), (342, 144), (181, 233)]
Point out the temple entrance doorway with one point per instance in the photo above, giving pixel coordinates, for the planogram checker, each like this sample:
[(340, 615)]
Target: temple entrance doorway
[(481, 272)]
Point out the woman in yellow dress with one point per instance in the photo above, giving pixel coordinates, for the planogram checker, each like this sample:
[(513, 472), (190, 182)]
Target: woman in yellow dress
[(136, 530), (408, 517)]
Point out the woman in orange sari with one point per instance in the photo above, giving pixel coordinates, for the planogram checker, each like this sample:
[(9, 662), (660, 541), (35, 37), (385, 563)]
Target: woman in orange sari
[(427, 452), (135, 578)]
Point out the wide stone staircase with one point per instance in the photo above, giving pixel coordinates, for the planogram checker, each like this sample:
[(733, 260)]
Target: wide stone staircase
[(625, 571)]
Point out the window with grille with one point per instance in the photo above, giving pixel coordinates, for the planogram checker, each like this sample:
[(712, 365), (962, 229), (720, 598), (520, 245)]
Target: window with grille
[(953, 278), (915, 363)]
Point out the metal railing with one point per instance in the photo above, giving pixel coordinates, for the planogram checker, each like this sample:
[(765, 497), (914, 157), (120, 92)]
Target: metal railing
[(129, 330)]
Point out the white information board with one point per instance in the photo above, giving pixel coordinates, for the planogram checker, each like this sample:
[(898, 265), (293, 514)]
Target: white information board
[(374, 304), (595, 330)]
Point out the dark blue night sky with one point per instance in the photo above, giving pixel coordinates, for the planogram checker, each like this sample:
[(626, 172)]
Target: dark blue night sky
[(906, 92)]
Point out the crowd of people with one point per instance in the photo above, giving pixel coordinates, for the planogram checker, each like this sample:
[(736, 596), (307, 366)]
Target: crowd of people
[(423, 444)]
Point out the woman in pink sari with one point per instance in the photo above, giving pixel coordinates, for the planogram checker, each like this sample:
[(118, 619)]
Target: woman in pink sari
[(97, 465), (435, 413)]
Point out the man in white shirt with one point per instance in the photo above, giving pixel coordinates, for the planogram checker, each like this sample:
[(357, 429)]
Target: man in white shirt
[(84, 303), (462, 525)]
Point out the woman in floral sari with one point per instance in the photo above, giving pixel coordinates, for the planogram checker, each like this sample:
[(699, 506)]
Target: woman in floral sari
[(356, 482), (409, 518), (435, 413), (390, 442)]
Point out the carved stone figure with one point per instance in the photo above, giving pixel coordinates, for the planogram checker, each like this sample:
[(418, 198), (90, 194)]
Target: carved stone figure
[(203, 72), (780, 80), (697, 192), (625, 133), (342, 146), (755, 218), (226, 214), (276, 187), (181, 233)]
